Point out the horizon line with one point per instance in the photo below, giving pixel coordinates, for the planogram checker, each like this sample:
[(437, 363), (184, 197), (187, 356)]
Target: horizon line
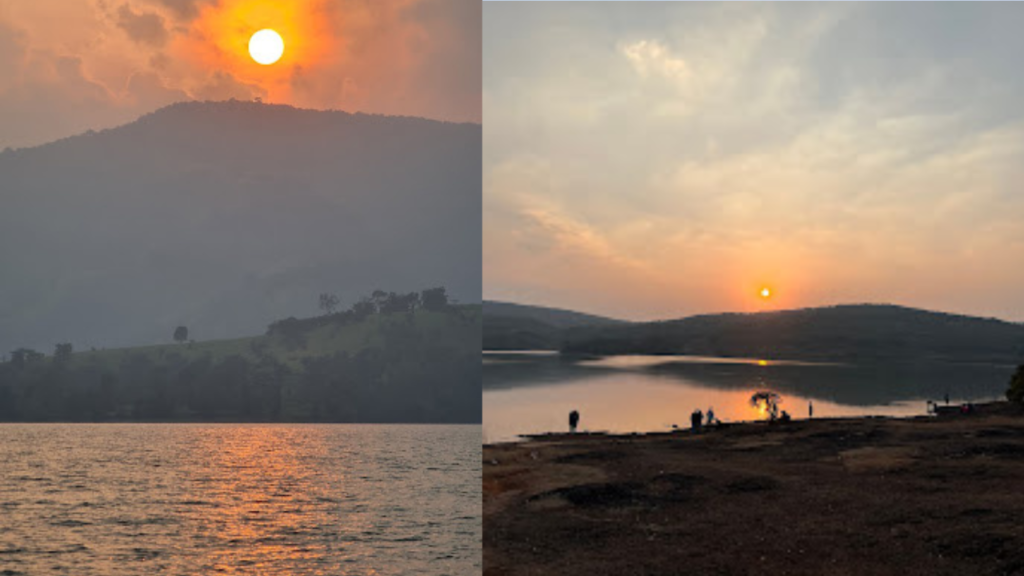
[(734, 313)]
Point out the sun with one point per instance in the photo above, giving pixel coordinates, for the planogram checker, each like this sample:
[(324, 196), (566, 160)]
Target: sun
[(766, 293), (266, 46)]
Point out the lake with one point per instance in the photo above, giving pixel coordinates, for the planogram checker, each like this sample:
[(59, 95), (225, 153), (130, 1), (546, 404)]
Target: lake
[(277, 499), (533, 392)]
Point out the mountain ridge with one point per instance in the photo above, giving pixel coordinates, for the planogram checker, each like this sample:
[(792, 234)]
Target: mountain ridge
[(846, 332), (111, 238)]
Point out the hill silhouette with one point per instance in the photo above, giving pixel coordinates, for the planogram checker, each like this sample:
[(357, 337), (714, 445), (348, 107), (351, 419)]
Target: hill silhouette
[(224, 216), (510, 326), (854, 333)]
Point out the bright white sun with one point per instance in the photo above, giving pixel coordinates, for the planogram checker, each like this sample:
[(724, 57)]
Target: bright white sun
[(765, 293), (266, 46)]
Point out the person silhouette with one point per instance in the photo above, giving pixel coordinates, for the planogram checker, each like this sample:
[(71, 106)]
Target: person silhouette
[(574, 419), (695, 420), (710, 416), (810, 409)]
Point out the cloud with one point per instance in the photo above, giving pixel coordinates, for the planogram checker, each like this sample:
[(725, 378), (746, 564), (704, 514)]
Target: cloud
[(143, 27), (183, 10), (107, 62), (717, 148), (650, 57), (148, 88)]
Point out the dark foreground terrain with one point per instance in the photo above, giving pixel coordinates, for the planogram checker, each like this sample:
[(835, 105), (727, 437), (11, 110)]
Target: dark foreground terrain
[(846, 496)]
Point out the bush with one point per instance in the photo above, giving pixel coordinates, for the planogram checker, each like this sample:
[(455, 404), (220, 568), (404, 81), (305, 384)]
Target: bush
[(1016, 392)]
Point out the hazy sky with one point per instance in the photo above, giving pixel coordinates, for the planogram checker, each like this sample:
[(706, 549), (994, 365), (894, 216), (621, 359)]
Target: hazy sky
[(651, 160), (70, 65)]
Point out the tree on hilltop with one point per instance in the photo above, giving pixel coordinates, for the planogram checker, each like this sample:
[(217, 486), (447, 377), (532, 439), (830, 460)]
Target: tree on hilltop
[(328, 303), (62, 354), (434, 299)]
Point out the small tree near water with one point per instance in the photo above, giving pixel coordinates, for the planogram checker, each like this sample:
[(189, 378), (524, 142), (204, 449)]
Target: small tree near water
[(180, 334), (768, 402), (1015, 393)]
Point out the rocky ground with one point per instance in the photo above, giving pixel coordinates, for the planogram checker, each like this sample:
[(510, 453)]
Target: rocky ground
[(928, 496)]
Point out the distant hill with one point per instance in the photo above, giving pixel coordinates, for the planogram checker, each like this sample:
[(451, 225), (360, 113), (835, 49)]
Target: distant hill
[(509, 326), (410, 366), (555, 317), (226, 216), (840, 333)]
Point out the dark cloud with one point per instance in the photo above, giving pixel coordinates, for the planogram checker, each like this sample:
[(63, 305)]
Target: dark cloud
[(143, 27), (184, 10)]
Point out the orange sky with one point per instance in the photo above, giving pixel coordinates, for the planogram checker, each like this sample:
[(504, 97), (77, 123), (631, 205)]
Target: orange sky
[(71, 65), (659, 159)]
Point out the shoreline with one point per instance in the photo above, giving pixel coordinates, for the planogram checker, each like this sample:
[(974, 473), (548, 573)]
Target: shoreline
[(851, 495), (986, 405)]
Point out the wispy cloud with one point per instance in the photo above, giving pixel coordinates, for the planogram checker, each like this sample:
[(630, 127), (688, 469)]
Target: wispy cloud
[(841, 152)]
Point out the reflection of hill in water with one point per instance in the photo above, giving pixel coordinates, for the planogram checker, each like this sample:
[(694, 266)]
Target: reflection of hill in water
[(502, 371), (851, 384), (858, 385)]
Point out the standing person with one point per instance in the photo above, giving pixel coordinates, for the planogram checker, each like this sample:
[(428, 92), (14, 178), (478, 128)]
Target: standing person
[(711, 416), (810, 410), (947, 398), (695, 420), (574, 419)]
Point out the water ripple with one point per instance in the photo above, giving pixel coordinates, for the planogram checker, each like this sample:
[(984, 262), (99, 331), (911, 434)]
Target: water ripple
[(239, 499)]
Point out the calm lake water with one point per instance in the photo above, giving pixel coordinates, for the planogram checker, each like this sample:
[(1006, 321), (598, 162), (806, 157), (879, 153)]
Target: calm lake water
[(117, 499), (528, 393)]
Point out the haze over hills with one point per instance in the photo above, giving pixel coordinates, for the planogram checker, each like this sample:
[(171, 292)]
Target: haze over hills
[(226, 216), (862, 332), (510, 326), (557, 317)]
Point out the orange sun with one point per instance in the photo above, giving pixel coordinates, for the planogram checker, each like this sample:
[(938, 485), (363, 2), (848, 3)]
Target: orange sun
[(766, 293), (261, 42)]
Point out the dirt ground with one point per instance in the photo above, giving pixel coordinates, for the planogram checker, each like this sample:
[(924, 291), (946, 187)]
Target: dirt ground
[(927, 496)]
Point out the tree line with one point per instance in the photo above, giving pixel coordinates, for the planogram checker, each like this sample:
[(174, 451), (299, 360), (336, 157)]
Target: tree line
[(406, 373)]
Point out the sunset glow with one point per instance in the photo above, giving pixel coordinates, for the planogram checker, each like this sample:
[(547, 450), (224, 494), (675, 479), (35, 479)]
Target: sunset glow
[(750, 156), (231, 44), (112, 62)]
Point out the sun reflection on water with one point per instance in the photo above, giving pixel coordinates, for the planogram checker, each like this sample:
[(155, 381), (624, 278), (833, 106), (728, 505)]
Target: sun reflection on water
[(273, 500), (265, 498)]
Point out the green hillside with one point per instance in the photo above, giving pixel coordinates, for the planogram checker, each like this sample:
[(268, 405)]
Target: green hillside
[(368, 364), (318, 339)]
